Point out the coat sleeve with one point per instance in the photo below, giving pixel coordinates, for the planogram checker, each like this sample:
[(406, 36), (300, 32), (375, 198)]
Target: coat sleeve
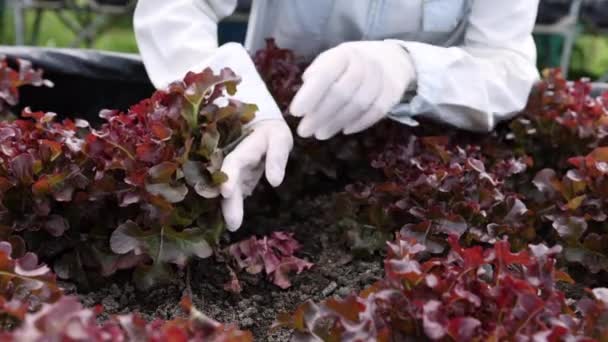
[(173, 36), (177, 36), (484, 81)]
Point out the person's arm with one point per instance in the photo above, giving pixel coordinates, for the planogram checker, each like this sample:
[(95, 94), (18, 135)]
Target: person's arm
[(177, 36), (486, 80)]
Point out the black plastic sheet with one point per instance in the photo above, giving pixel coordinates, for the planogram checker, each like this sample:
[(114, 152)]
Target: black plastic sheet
[(551, 11), (593, 12), (86, 81)]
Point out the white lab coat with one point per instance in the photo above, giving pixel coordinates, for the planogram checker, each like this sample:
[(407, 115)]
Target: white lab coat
[(475, 59)]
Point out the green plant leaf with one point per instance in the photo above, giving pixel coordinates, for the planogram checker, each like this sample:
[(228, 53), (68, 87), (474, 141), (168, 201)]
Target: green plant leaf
[(163, 245)]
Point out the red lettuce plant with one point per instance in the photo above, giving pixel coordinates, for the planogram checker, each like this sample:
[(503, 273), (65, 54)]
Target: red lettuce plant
[(67, 320), (272, 255), (281, 71), (41, 165), (486, 294), (562, 119), (33, 308), (24, 285), (168, 153), (147, 180), (11, 79), (575, 205), (433, 188)]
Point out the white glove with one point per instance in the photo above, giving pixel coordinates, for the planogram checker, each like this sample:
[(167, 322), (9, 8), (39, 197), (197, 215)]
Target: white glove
[(266, 148), (351, 87), (268, 145)]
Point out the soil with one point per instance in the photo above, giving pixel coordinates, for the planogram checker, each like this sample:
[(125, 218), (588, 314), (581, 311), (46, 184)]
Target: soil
[(336, 273)]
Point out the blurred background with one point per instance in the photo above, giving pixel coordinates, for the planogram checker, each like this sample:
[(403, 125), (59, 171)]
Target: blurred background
[(571, 34), (98, 24)]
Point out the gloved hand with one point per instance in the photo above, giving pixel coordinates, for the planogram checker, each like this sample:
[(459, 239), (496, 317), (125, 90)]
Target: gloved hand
[(266, 148), (268, 145), (351, 87)]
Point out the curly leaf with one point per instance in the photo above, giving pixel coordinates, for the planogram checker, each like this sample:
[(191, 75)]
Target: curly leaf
[(171, 193), (25, 278), (163, 245)]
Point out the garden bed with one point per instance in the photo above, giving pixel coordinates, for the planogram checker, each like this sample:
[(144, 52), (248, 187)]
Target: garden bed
[(395, 234), (336, 272)]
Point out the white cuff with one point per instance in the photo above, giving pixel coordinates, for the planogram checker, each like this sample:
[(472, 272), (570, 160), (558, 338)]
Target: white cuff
[(438, 95)]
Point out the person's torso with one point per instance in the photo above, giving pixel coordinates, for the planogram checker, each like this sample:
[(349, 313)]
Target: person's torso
[(311, 26)]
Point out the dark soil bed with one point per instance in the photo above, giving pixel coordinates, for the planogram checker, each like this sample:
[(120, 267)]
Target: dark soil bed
[(336, 273)]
